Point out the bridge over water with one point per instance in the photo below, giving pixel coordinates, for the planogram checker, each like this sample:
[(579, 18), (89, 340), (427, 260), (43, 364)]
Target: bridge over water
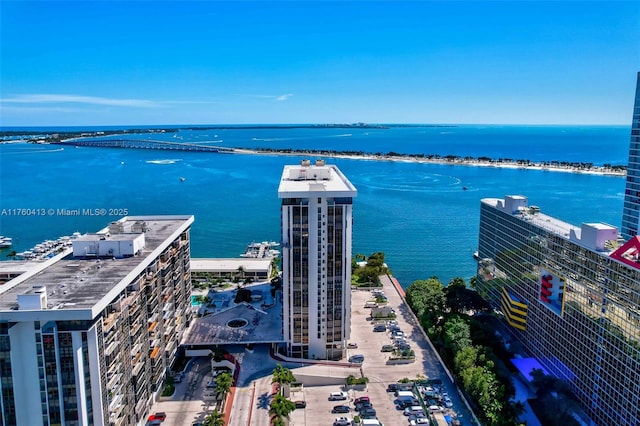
[(143, 144)]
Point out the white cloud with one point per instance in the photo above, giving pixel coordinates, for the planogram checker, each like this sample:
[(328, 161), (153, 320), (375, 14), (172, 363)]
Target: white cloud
[(274, 97), (91, 100)]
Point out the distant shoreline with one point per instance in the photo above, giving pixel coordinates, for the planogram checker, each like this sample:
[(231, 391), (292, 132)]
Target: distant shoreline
[(554, 166), (484, 161)]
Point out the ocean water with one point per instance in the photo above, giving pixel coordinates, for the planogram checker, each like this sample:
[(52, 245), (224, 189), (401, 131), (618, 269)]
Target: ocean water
[(418, 214)]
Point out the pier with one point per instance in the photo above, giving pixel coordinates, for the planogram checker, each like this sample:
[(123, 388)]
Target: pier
[(143, 144)]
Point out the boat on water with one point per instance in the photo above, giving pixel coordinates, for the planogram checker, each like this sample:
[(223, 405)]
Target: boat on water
[(5, 241), (265, 249)]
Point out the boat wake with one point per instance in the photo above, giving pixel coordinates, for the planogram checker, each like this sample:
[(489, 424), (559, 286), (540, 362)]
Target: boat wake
[(162, 161)]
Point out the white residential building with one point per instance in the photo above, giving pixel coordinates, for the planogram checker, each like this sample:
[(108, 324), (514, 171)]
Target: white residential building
[(317, 216), (86, 338)]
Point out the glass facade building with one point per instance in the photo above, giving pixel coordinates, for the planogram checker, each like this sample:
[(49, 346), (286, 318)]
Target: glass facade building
[(571, 296), (316, 218), (631, 209)]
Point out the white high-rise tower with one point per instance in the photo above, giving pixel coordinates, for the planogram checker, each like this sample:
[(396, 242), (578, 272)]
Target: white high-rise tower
[(317, 216)]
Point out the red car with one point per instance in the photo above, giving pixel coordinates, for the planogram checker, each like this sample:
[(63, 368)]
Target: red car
[(362, 399), (157, 416)]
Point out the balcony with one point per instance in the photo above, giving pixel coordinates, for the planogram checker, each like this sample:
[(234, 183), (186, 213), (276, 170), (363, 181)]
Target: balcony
[(109, 321), (115, 406), (134, 330), (112, 347), (113, 381), (137, 369), (154, 353)]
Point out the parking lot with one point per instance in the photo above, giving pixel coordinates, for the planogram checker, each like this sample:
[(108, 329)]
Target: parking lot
[(378, 371)]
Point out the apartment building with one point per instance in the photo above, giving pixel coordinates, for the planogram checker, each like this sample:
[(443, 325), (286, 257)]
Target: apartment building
[(316, 218), (571, 296), (87, 337)]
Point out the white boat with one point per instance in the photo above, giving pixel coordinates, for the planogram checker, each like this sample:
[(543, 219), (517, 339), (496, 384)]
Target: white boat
[(261, 250), (5, 241)]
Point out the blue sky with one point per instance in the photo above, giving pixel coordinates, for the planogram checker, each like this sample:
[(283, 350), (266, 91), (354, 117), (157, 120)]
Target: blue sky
[(213, 62)]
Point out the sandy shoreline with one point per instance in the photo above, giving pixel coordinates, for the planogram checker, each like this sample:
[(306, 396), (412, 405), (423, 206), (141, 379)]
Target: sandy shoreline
[(593, 170)]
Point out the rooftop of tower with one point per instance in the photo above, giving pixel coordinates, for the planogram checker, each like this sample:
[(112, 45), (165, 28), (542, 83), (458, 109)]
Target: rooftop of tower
[(83, 283), (600, 237), (320, 179)]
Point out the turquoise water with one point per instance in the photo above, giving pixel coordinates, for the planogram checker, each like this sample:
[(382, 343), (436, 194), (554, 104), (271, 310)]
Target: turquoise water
[(418, 214)]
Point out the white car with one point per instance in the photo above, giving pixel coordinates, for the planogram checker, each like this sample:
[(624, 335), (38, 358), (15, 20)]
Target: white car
[(342, 421), (419, 421), (338, 396), (448, 403)]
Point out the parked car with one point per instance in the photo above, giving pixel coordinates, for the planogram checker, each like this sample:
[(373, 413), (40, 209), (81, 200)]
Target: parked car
[(417, 416), (361, 399), (352, 345), (160, 416), (414, 409), (338, 396), (419, 421), (368, 413), (392, 387), (379, 327), (356, 359), (341, 409), (363, 405), (448, 403), (301, 404), (403, 346), (342, 421), (387, 348)]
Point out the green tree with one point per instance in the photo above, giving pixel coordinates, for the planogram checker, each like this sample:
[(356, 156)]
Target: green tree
[(426, 298), (282, 375), (461, 299), (223, 383), (214, 419), (457, 335), (281, 406)]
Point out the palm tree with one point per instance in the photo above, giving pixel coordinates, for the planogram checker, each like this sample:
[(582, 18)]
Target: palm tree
[(223, 383), (282, 375), (214, 419), (281, 407)]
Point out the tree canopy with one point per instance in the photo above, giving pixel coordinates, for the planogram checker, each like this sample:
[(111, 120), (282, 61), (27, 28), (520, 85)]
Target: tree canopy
[(223, 383), (426, 298), (214, 419), (282, 375)]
